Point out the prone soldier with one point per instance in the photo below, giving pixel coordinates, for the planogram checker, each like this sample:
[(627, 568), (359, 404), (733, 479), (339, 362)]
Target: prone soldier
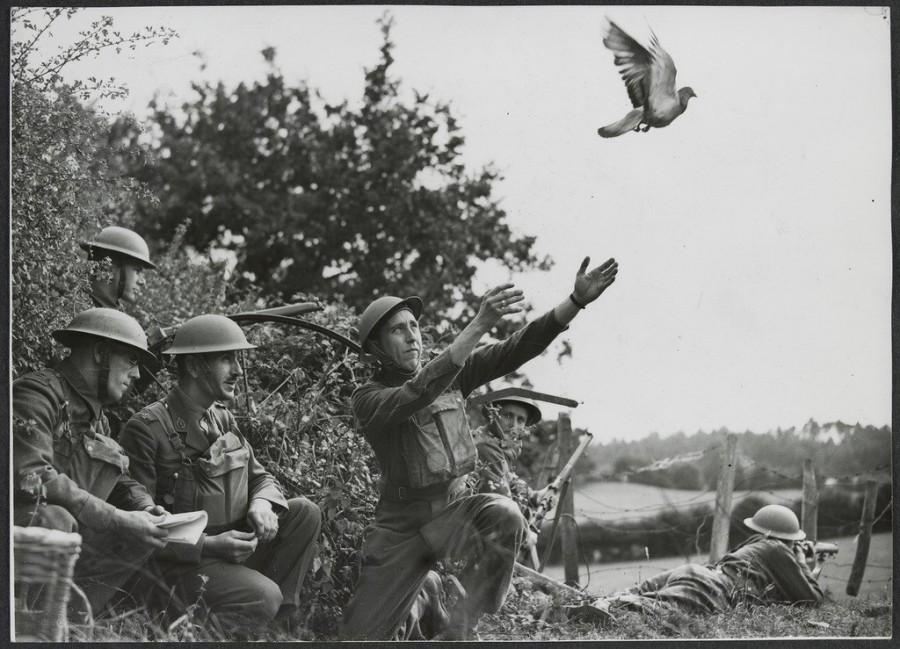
[(772, 566)]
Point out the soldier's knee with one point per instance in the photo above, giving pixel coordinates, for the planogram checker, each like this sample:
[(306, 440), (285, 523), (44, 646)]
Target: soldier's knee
[(271, 599), (507, 514), (262, 602), (306, 511), (312, 510)]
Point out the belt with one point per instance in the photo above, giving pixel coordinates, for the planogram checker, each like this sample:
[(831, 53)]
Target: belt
[(400, 493)]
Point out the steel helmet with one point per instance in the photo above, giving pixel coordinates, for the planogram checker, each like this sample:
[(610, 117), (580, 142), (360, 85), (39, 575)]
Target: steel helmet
[(378, 311), (121, 241), (108, 324), (777, 521), (534, 413), (208, 333)]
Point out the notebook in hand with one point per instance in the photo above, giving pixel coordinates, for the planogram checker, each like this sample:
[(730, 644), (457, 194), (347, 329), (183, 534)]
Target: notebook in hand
[(185, 527)]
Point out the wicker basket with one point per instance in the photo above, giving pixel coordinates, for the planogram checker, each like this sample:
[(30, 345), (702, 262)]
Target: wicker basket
[(43, 563)]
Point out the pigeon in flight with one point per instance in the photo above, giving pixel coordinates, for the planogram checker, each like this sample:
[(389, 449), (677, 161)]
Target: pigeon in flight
[(649, 77)]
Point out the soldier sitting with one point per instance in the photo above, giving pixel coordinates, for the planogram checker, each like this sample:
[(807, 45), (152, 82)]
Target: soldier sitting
[(188, 451), (68, 474)]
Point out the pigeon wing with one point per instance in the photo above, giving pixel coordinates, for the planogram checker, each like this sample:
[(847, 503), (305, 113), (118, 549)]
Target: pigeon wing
[(634, 62), (662, 71)]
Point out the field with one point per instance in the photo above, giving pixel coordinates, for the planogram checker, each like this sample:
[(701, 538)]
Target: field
[(605, 578), (615, 501)]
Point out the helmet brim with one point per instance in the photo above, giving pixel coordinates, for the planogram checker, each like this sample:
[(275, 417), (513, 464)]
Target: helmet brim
[(785, 536), (69, 338), (87, 246), (206, 349), (534, 413)]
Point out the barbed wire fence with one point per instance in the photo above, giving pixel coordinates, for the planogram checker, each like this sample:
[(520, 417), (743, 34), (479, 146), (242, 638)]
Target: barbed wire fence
[(692, 514)]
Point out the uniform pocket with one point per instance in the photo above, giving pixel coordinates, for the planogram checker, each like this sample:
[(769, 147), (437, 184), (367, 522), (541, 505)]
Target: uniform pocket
[(223, 481), (440, 447), (96, 464), (105, 449)]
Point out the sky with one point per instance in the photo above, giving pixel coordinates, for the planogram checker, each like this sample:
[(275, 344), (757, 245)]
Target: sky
[(752, 234)]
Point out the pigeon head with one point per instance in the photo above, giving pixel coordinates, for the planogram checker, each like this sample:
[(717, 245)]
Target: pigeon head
[(684, 94)]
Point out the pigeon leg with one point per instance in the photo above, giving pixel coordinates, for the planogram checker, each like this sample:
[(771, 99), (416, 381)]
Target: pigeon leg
[(646, 128)]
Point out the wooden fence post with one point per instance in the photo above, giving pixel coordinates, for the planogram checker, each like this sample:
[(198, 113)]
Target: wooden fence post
[(551, 459), (809, 514), (718, 544), (567, 503), (865, 536)]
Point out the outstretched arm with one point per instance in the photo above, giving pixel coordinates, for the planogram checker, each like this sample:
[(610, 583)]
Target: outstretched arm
[(589, 285), (493, 361)]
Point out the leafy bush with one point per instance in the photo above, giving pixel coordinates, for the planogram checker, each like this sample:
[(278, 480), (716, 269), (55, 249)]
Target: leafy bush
[(63, 185)]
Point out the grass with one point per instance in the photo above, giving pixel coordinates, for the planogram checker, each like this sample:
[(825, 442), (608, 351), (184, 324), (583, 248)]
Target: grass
[(845, 620), (531, 617), (534, 616)]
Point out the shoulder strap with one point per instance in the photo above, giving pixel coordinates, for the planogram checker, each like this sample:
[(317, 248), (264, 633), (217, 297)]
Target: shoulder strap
[(159, 410)]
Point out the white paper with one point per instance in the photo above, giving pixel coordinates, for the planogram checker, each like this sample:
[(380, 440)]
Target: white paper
[(186, 527)]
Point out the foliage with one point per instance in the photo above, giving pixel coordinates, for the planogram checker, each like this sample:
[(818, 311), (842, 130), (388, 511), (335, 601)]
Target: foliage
[(62, 186), (303, 432), (328, 199)]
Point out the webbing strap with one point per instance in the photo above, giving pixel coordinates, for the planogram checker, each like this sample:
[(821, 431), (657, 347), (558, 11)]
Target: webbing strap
[(160, 410)]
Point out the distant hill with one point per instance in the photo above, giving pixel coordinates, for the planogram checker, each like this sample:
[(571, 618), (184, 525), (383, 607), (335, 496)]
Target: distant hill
[(773, 459)]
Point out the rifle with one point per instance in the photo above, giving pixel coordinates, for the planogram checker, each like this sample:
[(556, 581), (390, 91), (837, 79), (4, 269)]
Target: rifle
[(537, 517), (821, 550)]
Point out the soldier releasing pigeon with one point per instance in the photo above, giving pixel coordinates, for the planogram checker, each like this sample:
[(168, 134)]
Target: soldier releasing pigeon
[(649, 77)]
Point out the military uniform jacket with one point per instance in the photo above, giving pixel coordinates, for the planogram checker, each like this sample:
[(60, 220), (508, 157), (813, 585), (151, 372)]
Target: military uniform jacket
[(394, 411), (61, 439), (174, 459), (767, 569)]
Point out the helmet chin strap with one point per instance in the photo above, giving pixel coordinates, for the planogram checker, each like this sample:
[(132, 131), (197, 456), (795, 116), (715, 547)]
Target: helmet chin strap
[(207, 374), (388, 361), (103, 375), (120, 287)]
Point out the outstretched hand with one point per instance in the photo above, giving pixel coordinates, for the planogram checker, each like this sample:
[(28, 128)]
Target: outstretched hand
[(589, 285), (498, 302)]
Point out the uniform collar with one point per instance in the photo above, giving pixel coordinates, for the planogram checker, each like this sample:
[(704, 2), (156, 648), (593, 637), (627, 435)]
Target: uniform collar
[(390, 376), (102, 301), (186, 414), (69, 371)]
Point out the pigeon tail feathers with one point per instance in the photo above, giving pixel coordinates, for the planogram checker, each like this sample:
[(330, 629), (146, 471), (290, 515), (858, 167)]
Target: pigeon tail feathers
[(628, 123)]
